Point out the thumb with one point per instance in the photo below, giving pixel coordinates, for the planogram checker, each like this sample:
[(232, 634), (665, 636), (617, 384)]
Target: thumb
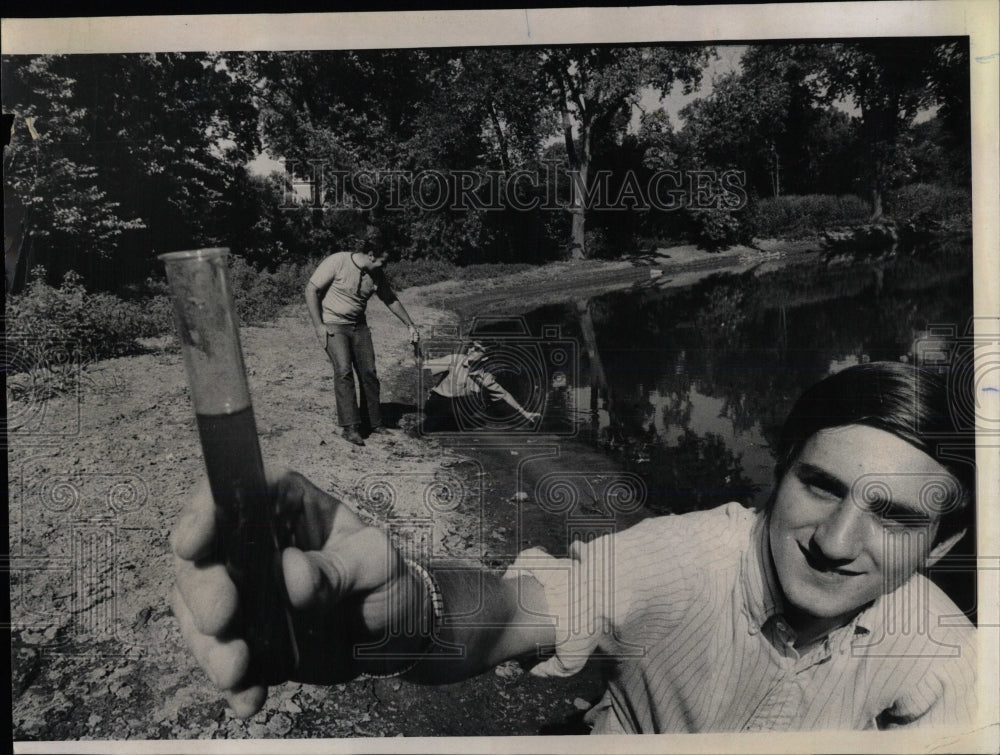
[(310, 579)]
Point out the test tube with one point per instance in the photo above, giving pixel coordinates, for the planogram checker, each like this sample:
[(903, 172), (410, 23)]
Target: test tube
[(248, 536)]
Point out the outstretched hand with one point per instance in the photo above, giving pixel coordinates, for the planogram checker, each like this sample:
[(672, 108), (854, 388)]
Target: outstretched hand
[(346, 586)]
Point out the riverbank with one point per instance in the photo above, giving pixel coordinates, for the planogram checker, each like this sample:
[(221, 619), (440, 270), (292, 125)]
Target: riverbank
[(97, 477)]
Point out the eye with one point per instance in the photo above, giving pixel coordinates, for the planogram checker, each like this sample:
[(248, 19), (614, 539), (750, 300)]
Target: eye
[(822, 491), (820, 485), (895, 516)]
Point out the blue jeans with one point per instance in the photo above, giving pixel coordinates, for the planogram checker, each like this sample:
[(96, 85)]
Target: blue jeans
[(350, 348)]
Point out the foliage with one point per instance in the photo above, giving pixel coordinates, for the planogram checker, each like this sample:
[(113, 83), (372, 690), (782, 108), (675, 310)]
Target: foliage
[(52, 331), (768, 121), (700, 472), (595, 89), (419, 272), (119, 156), (48, 325), (890, 81), (423, 272), (260, 295), (794, 216), (931, 205), (715, 229)]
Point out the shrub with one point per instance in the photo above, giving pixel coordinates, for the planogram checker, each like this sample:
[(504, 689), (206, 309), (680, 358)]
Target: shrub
[(714, 229), (78, 326), (260, 295), (946, 207), (797, 216), (419, 272)]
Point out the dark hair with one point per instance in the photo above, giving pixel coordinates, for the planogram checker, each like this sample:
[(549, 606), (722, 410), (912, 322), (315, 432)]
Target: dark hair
[(468, 344), (910, 402), (370, 240)]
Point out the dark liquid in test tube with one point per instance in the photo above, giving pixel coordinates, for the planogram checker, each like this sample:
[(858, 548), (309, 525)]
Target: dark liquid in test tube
[(247, 535)]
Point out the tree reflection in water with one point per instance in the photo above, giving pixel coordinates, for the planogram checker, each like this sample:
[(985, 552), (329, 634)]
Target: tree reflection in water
[(745, 346)]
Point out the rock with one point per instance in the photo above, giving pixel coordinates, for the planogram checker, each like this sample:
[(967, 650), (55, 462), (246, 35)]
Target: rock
[(279, 725), (509, 670), (257, 731)]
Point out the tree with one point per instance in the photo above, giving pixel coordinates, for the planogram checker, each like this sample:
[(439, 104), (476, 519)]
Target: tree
[(890, 81), (132, 157), (594, 90), (769, 121), (65, 205)]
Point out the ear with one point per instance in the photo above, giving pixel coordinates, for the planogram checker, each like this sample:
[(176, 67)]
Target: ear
[(941, 549)]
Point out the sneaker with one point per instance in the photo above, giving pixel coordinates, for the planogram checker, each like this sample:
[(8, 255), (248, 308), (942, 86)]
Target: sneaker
[(351, 435)]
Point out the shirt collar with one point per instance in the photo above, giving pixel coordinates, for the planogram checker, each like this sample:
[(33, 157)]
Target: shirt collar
[(762, 596)]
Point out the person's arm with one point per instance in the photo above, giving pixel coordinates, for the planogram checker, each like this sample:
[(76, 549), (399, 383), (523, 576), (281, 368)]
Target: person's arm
[(498, 393), (486, 620), (315, 312), (347, 587), (392, 302), (318, 283), (440, 364)]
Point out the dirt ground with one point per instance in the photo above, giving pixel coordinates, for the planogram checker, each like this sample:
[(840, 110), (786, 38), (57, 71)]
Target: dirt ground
[(96, 481)]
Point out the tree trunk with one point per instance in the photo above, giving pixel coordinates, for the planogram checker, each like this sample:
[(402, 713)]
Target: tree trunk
[(578, 162), (578, 242), (501, 140), (876, 205)]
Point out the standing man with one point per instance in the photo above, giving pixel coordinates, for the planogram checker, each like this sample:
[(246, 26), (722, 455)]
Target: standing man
[(336, 295)]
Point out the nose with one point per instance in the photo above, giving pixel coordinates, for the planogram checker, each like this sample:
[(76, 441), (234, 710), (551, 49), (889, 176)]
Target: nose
[(838, 538)]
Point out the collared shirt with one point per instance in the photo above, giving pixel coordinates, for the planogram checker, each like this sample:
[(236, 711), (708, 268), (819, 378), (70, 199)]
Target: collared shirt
[(348, 288), (690, 608), (462, 379)]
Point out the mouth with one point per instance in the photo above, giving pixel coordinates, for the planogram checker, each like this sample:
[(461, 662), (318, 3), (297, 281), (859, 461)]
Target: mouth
[(823, 567)]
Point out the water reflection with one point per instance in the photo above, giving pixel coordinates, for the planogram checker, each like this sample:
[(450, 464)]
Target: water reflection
[(688, 387)]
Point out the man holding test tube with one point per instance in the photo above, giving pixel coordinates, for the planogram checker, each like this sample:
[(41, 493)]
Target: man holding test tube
[(802, 616), (337, 294)]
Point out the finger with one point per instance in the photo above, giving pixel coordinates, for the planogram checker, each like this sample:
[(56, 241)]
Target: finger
[(224, 662), (306, 582), (359, 562), (246, 702), (208, 593), (192, 538)]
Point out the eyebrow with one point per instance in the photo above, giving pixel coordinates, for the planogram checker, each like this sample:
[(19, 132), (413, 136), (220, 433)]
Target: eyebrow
[(891, 508)]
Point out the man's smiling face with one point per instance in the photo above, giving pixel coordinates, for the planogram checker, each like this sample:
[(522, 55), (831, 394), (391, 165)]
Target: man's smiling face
[(854, 517)]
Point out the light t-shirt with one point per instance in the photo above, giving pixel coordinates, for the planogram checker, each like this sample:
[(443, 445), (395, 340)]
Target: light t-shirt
[(348, 289), (690, 609)]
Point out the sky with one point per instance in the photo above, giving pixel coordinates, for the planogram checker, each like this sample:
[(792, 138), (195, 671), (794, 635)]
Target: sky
[(727, 62)]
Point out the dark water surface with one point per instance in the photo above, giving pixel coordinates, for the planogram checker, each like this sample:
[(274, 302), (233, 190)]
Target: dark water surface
[(687, 388)]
